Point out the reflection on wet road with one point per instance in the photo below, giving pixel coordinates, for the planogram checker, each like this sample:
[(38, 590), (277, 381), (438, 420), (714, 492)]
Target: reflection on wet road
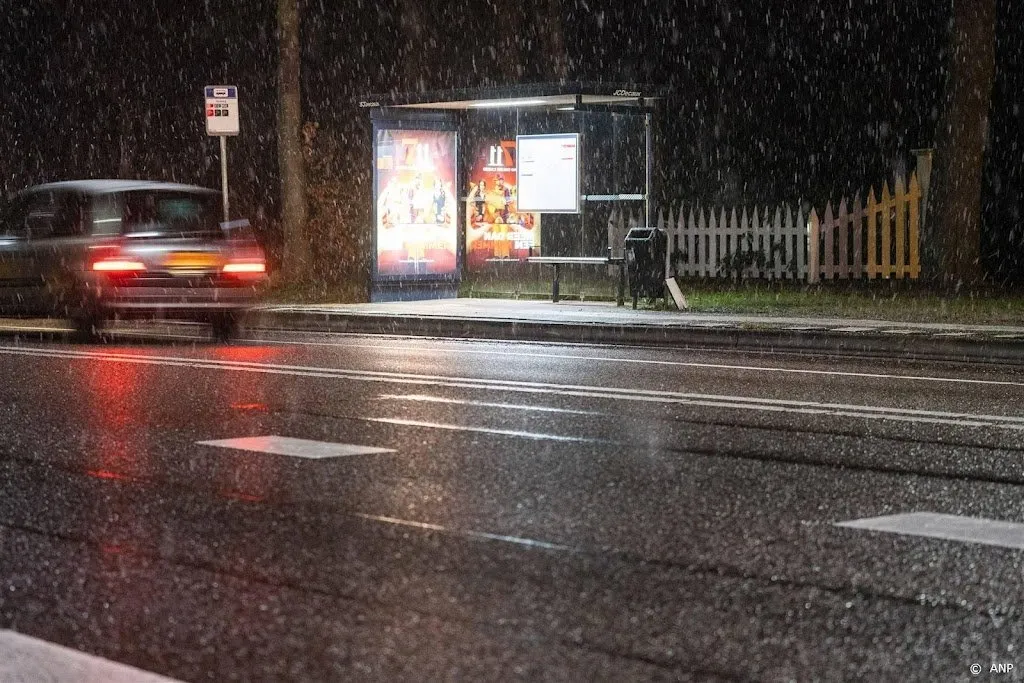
[(325, 507)]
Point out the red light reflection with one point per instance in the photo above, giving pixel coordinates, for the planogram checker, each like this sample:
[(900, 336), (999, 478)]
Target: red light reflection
[(240, 475), (244, 497), (107, 474), (112, 394), (257, 407)]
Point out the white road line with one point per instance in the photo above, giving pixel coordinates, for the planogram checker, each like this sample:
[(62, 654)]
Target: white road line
[(481, 535), (298, 448), (482, 430), (24, 659), (946, 527), (422, 398), (1009, 422), (667, 363), (35, 328)]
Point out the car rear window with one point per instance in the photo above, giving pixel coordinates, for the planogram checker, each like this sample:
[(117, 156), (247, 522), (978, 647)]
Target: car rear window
[(149, 213)]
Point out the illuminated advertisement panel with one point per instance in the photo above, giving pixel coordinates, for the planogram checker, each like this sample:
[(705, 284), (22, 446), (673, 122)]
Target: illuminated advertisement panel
[(495, 229), (417, 230)]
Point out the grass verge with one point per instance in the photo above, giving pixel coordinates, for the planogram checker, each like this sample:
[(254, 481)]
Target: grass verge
[(875, 301)]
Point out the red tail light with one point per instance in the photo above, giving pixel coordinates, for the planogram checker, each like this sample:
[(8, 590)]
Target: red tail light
[(118, 265), (245, 267), (109, 259)]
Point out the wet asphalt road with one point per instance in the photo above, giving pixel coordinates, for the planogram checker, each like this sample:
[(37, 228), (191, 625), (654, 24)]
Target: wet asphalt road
[(546, 513)]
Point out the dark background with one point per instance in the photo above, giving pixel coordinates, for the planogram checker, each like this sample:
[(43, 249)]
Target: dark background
[(769, 101)]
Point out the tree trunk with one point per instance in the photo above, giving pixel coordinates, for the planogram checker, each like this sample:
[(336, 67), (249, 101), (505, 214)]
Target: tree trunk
[(953, 245), (289, 145)]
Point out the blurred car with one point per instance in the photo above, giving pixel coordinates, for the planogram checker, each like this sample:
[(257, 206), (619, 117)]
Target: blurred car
[(93, 250)]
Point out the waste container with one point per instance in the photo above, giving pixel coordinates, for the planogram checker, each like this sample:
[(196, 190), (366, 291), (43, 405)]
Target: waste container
[(645, 262)]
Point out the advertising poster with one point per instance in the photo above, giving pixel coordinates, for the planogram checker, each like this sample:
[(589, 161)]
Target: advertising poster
[(417, 233), (495, 230)]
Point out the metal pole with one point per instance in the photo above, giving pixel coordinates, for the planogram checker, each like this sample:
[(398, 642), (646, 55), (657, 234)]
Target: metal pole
[(224, 173), (647, 163)]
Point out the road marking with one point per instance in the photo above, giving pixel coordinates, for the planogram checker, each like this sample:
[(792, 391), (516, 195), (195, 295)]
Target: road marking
[(665, 363), (298, 448), (946, 527), (35, 328), (1013, 423), (422, 398), (482, 535), (24, 659), (483, 430)]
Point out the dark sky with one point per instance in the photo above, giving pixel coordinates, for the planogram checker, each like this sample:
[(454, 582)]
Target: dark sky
[(769, 101)]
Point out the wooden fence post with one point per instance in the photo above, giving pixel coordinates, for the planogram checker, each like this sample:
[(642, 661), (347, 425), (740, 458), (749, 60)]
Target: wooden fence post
[(843, 235), (800, 241), (692, 239), (885, 208), (857, 225), (730, 230), (900, 208), (872, 245), (776, 254), (673, 242), (827, 227), (709, 228), (917, 201), (813, 233), (741, 238)]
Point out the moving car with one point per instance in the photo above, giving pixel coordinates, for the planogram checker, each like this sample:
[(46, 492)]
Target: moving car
[(93, 250)]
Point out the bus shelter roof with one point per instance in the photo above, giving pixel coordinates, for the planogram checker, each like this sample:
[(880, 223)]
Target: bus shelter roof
[(566, 96)]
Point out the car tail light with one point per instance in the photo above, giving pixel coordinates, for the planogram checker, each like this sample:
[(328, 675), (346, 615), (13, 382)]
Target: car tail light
[(250, 267), (118, 264), (109, 259), (246, 269)]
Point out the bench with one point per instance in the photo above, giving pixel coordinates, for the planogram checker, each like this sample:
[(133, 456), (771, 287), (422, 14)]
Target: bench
[(559, 261)]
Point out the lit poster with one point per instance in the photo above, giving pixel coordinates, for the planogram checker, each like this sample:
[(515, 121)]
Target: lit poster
[(495, 230), (416, 203)]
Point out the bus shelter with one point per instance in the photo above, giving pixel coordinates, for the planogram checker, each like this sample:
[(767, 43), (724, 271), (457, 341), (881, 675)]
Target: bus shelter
[(467, 180)]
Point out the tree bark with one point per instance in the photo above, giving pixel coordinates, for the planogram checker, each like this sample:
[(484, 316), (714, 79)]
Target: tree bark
[(295, 259), (953, 240)]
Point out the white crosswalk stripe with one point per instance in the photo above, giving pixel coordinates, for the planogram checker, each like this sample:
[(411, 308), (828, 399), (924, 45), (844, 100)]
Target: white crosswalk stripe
[(24, 659)]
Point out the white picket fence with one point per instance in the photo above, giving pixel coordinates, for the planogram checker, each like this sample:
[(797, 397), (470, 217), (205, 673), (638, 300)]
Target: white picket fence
[(873, 238)]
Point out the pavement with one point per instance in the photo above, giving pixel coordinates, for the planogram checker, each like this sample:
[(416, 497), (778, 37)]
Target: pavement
[(601, 322), (320, 507)]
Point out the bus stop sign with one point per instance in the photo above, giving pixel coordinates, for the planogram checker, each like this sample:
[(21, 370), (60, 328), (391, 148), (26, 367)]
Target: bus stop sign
[(221, 110)]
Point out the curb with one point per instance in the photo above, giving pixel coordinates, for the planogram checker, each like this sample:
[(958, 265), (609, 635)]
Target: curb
[(917, 345)]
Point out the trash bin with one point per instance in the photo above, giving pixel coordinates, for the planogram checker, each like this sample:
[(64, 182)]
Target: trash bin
[(645, 262)]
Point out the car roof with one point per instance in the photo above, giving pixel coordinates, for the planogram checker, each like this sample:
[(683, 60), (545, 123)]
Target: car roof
[(106, 186)]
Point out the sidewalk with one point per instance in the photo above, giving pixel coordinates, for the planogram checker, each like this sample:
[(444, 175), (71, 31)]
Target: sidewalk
[(599, 322)]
